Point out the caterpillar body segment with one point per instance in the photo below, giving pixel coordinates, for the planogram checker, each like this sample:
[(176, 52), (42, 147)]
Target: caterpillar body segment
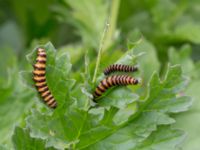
[(119, 68), (111, 81), (39, 76)]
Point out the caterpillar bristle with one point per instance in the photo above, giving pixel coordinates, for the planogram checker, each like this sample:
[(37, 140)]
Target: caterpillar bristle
[(119, 68), (39, 76), (111, 81)]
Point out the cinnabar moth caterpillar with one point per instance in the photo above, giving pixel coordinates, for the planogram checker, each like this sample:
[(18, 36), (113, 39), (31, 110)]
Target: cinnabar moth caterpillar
[(39, 76), (120, 68), (115, 80)]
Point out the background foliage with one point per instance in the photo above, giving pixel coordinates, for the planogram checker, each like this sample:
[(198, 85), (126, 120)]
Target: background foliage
[(156, 34)]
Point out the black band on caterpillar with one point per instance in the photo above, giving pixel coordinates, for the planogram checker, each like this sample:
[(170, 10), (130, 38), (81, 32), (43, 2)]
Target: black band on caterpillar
[(120, 68), (39, 76), (115, 80)]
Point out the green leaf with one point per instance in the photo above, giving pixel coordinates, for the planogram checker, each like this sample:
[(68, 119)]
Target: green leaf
[(2, 147), (67, 129), (148, 59), (82, 96), (23, 141), (75, 51), (15, 100), (132, 117), (126, 123), (58, 67), (7, 30), (163, 97), (120, 97), (163, 138), (89, 27), (6, 63), (188, 32), (182, 57), (132, 134), (143, 54), (186, 121), (141, 124)]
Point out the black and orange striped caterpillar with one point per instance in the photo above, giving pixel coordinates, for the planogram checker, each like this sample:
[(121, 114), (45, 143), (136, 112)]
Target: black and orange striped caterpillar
[(119, 68), (39, 76), (111, 81)]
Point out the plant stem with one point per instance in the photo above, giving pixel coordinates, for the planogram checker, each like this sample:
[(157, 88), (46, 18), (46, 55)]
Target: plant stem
[(107, 34), (101, 46), (113, 21)]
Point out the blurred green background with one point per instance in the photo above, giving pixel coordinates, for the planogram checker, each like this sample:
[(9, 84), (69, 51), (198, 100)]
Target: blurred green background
[(170, 27)]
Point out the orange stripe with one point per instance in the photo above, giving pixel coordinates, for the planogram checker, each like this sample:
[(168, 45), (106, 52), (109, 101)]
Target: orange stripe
[(50, 101), (39, 78), (40, 83), (48, 98), (43, 89), (53, 105), (39, 72), (41, 58), (46, 93)]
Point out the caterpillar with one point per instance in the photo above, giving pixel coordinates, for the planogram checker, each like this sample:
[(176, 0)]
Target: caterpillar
[(119, 67), (115, 80), (39, 76)]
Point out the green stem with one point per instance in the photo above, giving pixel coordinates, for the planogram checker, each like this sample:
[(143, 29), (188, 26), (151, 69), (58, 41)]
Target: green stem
[(107, 34), (101, 46), (87, 77), (113, 21)]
